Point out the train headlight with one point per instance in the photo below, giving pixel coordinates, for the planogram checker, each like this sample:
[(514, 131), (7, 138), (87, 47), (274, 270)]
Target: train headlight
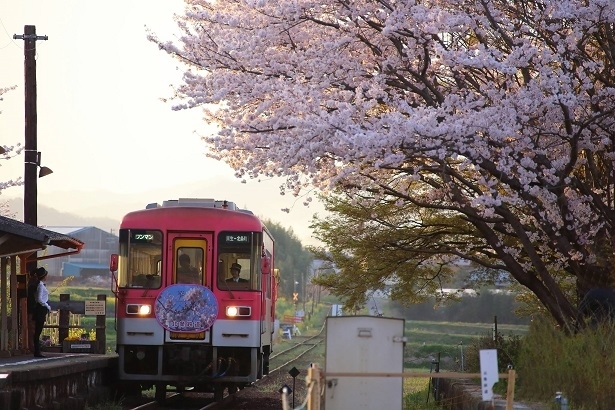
[(142, 310), (238, 311)]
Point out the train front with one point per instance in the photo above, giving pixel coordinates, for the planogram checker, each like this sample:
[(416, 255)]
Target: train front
[(194, 299)]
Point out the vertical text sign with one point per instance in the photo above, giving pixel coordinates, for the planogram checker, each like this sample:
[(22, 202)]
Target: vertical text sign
[(488, 372)]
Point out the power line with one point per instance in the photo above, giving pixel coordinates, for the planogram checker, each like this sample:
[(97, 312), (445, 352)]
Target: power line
[(8, 35)]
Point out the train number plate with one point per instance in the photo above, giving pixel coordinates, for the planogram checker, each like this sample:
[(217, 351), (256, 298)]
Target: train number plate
[(187, 336)]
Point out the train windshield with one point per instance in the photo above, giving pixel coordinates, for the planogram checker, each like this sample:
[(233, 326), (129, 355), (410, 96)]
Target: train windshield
[(140, 258), (238, 257)]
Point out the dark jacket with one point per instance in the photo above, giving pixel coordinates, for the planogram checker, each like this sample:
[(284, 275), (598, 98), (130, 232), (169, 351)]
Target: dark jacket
[(32, 285)]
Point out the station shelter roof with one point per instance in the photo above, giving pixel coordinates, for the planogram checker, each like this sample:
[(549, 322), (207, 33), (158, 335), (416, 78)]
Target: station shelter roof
[(18, 239)]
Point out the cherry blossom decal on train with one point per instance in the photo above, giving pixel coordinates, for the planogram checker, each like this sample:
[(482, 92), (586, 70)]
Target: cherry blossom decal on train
[(186, 308)]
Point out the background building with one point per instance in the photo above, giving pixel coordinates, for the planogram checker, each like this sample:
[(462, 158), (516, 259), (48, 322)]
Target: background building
[(93, 260)]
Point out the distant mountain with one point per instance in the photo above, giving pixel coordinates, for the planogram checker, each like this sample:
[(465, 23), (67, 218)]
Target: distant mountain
[(52, 217), (105, 209)]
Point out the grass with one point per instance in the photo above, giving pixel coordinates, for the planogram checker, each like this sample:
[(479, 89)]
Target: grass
[(449, 340), (418, 395), (453, 333), (580, 365), (89, 322)]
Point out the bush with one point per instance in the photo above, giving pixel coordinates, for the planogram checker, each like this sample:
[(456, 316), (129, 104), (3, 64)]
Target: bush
[(580, 365)]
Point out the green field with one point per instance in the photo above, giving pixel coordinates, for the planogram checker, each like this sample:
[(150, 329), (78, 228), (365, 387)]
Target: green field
[(421, 333), (427, 339)]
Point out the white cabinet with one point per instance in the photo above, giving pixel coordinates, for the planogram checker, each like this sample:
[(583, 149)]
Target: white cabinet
[(362, 345)]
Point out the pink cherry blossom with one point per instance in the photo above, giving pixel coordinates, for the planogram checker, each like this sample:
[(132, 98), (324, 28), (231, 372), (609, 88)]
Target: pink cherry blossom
[(499, 111)]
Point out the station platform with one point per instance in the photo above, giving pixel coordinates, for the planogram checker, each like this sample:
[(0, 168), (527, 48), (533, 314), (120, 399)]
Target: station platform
[(59, 380)]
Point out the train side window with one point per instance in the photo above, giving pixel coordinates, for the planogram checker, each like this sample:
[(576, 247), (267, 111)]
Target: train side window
[(234, 271), (139, 258), (238, 259)]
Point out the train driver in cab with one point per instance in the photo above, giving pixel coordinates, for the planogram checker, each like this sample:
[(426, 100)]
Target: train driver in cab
[(235, 271), (186, 273)]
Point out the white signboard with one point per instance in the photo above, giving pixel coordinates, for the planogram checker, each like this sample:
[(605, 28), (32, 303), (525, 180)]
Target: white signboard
[(488, 372), (336, 310), (95, 307)]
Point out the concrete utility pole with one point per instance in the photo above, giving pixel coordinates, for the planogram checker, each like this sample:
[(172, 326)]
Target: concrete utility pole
[(31, 154)]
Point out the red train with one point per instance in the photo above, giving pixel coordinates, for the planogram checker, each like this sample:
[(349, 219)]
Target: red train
[(195, 297)]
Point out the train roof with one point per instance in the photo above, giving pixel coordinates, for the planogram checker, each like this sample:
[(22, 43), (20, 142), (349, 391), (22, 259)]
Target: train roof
[(197, 203), (182, 214)]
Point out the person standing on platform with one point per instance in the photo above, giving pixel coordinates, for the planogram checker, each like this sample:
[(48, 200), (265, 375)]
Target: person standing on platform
[(41, 309)]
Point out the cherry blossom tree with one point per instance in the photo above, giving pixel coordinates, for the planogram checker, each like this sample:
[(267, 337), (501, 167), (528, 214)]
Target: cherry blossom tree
[(497, 112), (7, 152)]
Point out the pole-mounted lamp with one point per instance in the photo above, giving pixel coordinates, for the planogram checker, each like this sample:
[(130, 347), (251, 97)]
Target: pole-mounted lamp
[(44, 171)]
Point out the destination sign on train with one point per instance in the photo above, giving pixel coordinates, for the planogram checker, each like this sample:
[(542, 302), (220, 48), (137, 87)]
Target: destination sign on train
[(236, 238), (145, 236)]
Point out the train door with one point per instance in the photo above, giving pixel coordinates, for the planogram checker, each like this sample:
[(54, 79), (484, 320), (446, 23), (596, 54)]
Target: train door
[(189, 259), (268, 301), (188, 262), (267, 294)]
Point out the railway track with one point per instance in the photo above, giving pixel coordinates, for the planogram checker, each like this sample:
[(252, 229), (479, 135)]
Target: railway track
[(264, 394), (296, 351)]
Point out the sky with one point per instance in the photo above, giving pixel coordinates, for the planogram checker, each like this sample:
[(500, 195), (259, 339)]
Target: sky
[(101, 125)]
